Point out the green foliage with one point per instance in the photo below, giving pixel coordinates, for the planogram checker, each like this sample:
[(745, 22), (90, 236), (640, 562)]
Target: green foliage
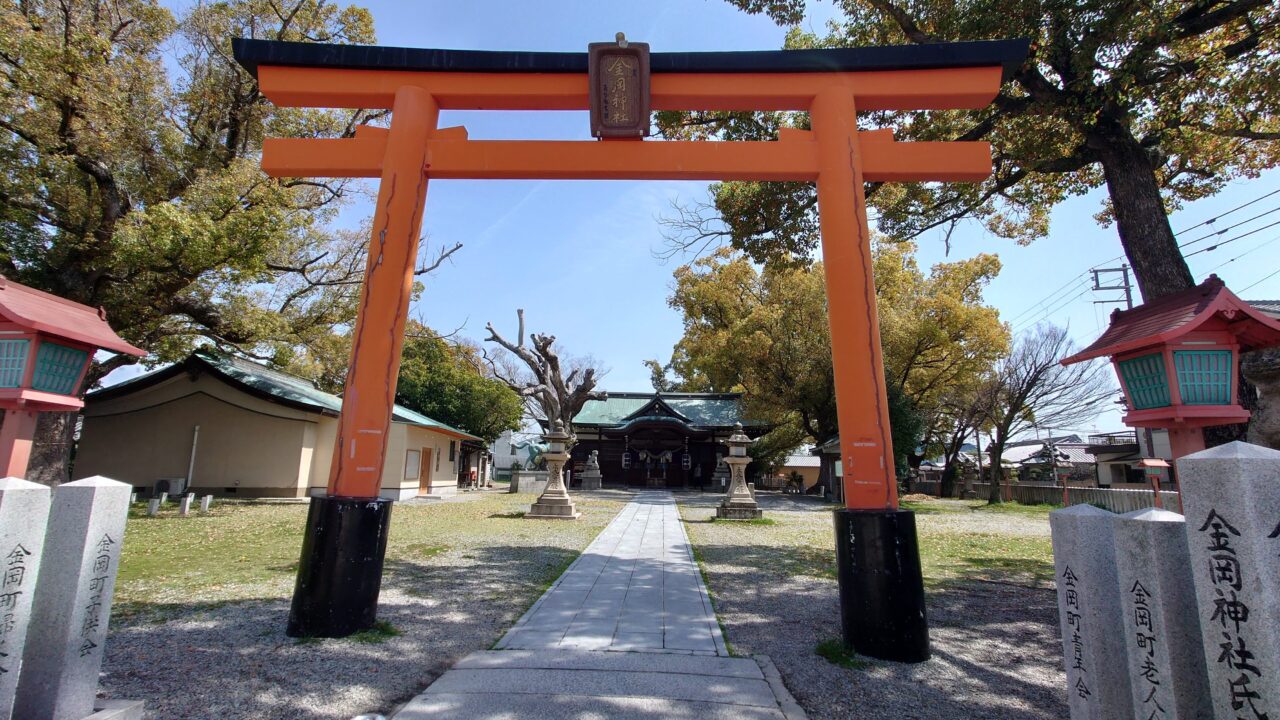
[(833, 650), (764, 331), (906, 427), (381, 632), (1162, 102), (125, 187), (445, 381)]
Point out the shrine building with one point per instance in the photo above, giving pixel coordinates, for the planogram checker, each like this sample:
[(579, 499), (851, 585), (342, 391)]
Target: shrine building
[(663, 440)]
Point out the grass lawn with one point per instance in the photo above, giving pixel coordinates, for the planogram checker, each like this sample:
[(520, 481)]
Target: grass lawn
[(244, 549), (959, 540)]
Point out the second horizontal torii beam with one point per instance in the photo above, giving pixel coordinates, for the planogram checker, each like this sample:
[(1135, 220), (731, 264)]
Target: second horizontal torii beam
[(794, 157)]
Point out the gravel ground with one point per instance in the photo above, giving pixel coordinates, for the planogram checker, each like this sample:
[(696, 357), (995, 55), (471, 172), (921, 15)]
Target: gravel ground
[(996, 648), (458, 575)]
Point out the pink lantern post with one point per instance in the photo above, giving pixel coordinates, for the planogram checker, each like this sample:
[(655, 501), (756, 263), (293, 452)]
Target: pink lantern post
[(46, 346)]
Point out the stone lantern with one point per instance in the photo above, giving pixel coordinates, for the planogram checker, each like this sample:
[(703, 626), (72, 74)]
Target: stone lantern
[(554, 503), (739, 503), (1178, 359), (46, 346)]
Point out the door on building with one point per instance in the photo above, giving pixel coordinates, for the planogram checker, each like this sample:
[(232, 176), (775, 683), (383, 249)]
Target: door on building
[(424, 478)]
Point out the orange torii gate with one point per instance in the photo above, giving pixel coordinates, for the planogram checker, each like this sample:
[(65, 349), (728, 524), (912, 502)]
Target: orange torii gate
[(880, 580)]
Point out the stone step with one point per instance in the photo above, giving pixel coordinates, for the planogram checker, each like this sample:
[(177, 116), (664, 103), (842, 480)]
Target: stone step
[(568, 684), (500, 706)]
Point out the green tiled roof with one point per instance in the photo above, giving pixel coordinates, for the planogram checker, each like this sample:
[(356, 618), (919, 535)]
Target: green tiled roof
[(703, 409), (288, 388)]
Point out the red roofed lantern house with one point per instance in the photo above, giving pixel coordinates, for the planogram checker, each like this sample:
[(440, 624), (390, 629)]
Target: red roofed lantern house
[(1178, 358), (46, 345)]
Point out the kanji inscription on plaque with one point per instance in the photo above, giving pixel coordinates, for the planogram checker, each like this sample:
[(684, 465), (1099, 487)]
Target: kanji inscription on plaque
[(619, 78)]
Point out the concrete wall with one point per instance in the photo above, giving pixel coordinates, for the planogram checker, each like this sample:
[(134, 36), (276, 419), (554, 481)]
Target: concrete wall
[(246, 446)]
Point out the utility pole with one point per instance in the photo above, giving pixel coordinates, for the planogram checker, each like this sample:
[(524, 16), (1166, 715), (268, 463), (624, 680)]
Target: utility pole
[(1124, 285)]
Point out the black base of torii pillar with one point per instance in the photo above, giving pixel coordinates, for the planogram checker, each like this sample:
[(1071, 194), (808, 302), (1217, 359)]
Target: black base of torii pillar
[(882, 608), (340, 572)]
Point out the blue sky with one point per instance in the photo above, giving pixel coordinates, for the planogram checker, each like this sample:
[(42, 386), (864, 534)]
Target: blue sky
[(577, 255)]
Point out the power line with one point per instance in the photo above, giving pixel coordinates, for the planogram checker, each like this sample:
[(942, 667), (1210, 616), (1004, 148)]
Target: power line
[(1214, 219), (1231, 240), (1055, 297), (1051, 295), (1229, 227), (1268, 277), (1050, 311), (1246, 252)]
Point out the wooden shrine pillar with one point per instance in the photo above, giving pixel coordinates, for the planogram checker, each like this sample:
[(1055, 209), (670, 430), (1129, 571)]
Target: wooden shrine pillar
[(882, 607), (340, 572)]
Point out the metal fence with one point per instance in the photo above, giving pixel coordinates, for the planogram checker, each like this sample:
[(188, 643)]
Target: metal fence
[(1120, 501)]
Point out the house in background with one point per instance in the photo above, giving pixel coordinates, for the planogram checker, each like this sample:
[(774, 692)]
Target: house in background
[(222, 425), (1118, 453), (1031, 458), (807, 466)]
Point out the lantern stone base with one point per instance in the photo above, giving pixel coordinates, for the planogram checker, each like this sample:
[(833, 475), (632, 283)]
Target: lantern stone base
[(553, 508), (739, 511)]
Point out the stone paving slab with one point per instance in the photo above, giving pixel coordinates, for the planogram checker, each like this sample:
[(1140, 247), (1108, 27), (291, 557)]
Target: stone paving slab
[(615, 662), (558, 706), (626, 632), (607, 683), (635, 583)]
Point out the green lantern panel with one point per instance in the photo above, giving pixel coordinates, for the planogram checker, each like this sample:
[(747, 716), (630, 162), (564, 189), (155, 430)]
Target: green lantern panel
[(1144, 377), (13, 362), (1204, 376), (57, 368)]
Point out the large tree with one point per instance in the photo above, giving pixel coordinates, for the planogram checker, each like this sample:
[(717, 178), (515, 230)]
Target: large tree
[(132, 184), (1160, 102), (448, 381), (554, 387), (765, 332)]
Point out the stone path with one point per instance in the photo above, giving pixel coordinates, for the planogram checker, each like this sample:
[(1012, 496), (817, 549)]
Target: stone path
[(626, 632)]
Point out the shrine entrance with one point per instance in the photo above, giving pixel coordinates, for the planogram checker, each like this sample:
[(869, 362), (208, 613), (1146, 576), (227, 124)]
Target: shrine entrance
[(621, 84)]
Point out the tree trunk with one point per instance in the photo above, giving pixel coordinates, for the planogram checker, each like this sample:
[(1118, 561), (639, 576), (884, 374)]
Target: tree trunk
[(51, 448), (948, 483), (1140, 214), (997, 473), (1262, 368)]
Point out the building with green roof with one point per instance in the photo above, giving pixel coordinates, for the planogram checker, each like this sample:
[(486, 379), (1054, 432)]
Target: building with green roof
[(223, 425), (652, 439)]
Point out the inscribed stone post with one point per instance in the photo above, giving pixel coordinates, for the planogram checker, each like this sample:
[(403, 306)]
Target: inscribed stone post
[(184, 505), (164, 497), (1231, 496), (1089, 612), (153, 507), (205, 502), (24, 511), (73, 600), (1161, 626)]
